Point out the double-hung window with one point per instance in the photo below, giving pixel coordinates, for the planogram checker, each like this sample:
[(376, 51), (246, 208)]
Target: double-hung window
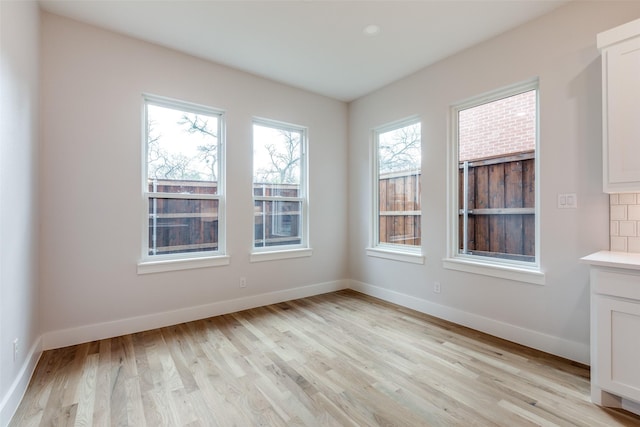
[(183, 183), (397, 155), (494, 187), (279, 187)]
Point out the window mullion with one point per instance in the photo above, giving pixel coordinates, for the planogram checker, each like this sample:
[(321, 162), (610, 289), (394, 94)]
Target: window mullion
[(278, 199), (184, 196)]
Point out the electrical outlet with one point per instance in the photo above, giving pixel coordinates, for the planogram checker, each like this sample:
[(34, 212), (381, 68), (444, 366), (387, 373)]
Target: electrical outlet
[(15, 350), (243, 282), (436, 287)]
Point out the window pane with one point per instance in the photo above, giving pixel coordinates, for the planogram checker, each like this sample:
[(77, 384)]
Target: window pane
[(277, 223), (182, 147), (276, 158), (500, 127), (399, 188), (496, 166), (278, 172), (182, 225), (399, 150), (399, 222)]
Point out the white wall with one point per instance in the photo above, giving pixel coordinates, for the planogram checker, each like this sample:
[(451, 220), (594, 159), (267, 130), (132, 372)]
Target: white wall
[(83, 204), (560, 49), (91, 202), (19, 33)]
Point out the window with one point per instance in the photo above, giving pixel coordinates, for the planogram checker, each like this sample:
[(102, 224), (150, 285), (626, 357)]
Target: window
[(397, 188), (182, 181), (279, 186), (495, 185)]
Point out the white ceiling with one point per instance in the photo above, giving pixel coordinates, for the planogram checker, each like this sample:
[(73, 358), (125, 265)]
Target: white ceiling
[(315, 45)]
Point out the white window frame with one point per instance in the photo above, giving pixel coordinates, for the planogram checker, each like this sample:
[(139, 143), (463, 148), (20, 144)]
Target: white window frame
[(302, 249), (522, 271), (181, 261), (403, 253)]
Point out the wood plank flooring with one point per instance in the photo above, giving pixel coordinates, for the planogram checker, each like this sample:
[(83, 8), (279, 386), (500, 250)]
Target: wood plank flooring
[(340, 359)]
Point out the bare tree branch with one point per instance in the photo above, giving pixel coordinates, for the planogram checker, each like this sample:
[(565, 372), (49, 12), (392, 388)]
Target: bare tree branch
[(285, 159), (196, 123), (208, 152), (402, 152)]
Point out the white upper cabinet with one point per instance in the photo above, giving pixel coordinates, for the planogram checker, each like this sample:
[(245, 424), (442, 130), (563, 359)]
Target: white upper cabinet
[(620, 49)]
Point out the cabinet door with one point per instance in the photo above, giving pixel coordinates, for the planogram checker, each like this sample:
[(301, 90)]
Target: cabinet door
[(619, 347), (621, 109)]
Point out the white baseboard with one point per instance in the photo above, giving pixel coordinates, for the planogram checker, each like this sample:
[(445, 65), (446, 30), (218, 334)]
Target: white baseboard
[(631, 406), (12, 398), (571, 350), (97, 331), (551, 344)]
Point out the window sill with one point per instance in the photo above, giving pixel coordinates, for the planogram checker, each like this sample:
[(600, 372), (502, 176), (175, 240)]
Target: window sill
[(517, 273), (148, 267), (413, 258), (281, 254)]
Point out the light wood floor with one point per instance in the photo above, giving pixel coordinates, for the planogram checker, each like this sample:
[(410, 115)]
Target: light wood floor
[(340, 359)]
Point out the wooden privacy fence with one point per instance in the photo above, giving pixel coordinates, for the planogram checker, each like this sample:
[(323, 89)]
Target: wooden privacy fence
[(276, 222), (497, 207), (179, 224), (496, 216), (399, 202)]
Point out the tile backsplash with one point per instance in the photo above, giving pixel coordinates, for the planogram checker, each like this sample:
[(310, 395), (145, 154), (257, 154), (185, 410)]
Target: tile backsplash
[(624, 219)]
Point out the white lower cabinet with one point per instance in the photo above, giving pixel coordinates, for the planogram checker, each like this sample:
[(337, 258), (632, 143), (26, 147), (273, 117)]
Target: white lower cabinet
[(618, 341), (615, 335)]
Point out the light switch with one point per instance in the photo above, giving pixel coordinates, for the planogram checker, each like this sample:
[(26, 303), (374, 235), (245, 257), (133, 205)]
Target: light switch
[(567, 201)]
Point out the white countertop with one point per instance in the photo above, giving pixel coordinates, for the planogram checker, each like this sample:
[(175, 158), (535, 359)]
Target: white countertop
[(614, 259)]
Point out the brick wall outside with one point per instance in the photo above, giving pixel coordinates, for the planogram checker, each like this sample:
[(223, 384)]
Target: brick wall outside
[(500, 127)]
